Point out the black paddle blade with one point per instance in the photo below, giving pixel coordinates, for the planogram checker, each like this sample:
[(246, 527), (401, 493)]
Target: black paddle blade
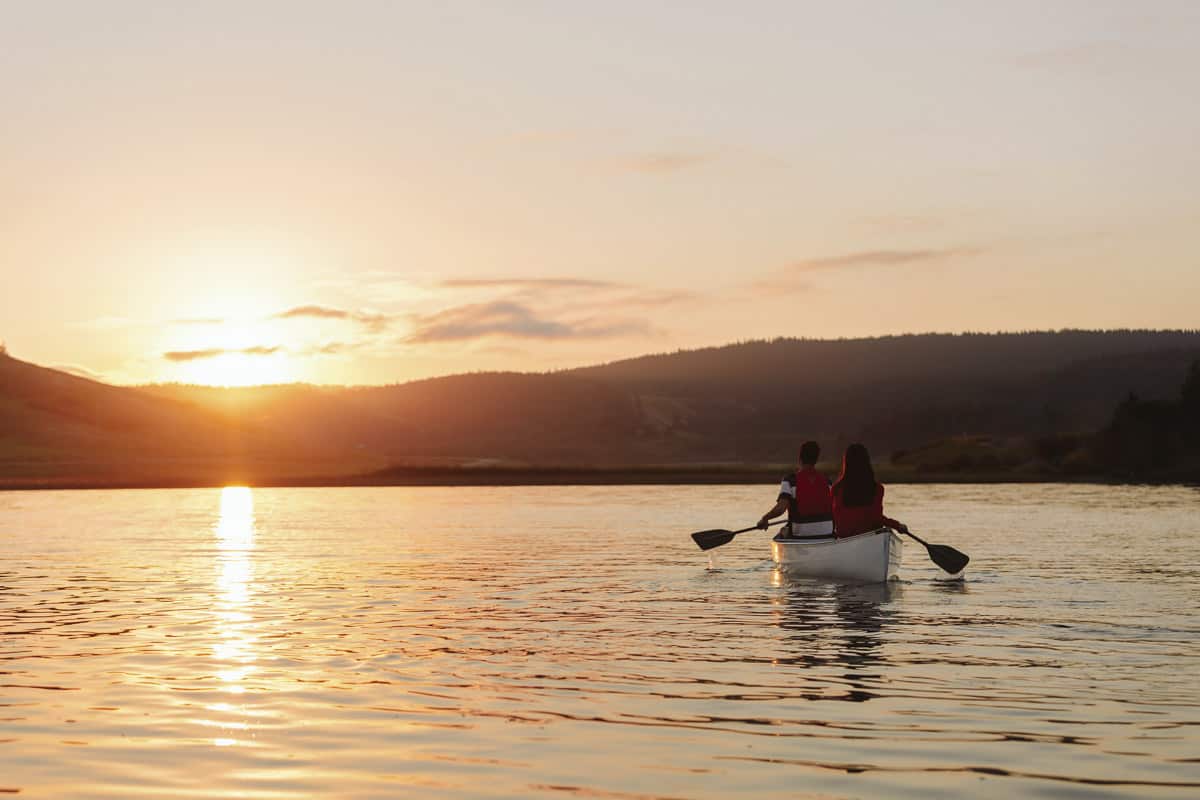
[(707, 540), (948, 558)]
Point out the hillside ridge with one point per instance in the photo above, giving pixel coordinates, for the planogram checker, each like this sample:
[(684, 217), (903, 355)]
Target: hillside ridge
[(743, 403)]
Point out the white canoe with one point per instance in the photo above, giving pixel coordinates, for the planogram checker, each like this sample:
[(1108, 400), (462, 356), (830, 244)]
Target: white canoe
[(867, 558)]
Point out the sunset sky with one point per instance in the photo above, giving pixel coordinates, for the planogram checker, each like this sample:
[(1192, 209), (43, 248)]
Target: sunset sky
[(370, 192)]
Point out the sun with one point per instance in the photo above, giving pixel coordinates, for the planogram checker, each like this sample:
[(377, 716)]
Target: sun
[(230, 352), (238, 369)]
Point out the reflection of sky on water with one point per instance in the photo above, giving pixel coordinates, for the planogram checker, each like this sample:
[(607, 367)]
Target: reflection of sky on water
[(389, 646), (235, 643)]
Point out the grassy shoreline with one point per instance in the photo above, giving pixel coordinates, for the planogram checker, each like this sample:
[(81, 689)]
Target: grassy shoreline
[(666, 475)]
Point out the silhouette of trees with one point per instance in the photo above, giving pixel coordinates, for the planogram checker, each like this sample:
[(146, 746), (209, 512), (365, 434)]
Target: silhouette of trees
[(1031, 404), (1156, 439)]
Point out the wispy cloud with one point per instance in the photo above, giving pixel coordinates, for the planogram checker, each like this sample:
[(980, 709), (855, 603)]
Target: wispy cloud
[(374, 322), (322, 312), (627, 299), (605, 294), (513, 320), (259, 350), (664, 162), (794, 277), (882, 258), (331, 348), (214, 352), (656, 298)]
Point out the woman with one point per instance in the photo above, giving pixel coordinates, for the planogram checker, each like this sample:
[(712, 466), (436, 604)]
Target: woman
[(858, 497)]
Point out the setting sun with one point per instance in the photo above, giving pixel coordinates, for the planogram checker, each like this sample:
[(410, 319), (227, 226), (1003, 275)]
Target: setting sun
[(234, 351), (238, 369)]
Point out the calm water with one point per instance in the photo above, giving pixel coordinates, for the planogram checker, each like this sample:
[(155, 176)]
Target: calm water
[(573, 642)]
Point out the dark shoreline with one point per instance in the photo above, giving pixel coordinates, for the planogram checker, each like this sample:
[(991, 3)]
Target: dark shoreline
[(548, 476)]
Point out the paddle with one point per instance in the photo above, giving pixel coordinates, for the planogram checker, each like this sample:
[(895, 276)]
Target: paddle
[(943, 555), (717, 537)]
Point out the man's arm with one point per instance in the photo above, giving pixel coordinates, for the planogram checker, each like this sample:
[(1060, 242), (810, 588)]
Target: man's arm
[(781, 506), (787, 493)]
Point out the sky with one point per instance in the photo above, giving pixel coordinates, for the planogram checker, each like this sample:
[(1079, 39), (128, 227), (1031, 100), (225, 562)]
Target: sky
[(375, 192)]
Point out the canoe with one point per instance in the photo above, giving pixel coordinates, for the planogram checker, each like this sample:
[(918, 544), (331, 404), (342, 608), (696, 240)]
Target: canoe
[(867, 558)]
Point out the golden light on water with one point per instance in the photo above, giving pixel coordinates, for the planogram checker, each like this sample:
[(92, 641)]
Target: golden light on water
[(235, 642), (235, 526)]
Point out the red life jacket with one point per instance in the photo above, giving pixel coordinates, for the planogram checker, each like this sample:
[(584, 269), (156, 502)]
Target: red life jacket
[(812, 495), (853, 520)]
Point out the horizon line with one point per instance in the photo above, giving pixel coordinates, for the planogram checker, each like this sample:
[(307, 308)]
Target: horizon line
[(5, 352)]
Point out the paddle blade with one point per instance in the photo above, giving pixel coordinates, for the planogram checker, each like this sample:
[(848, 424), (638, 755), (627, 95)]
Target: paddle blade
[(707, 540), (948, 558)]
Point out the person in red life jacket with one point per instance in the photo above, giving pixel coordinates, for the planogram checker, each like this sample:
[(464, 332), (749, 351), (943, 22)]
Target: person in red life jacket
[(803, 494), (858, 497)]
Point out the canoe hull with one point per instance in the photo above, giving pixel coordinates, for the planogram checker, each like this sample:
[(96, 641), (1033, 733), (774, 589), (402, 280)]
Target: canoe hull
[(867, 558)]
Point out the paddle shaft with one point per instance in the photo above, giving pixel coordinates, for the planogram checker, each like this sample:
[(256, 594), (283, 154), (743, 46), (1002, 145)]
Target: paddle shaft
[(755, 527)]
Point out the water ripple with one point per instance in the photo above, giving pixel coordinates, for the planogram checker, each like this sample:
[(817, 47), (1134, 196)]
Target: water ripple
[(291, 643)]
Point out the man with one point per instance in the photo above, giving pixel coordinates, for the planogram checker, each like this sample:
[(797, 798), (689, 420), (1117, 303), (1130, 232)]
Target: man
[(805, 497)]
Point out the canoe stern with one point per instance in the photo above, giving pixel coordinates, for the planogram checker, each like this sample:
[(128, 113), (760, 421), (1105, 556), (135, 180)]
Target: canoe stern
[(868, 558)]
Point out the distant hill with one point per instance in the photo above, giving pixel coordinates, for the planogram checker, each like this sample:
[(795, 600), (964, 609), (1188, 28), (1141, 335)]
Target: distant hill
[(755, 400), (61, 427), (748, 403), (491, 415)]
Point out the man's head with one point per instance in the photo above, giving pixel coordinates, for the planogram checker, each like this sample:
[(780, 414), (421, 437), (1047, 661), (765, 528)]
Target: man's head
[(809, 452)]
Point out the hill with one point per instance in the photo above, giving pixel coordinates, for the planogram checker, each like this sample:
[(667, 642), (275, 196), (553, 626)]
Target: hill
[(755, 400), (59, 428), (742, 404), (498, 415)]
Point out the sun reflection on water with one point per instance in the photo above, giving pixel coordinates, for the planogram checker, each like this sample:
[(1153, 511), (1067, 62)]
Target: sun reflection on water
[(235, 641)]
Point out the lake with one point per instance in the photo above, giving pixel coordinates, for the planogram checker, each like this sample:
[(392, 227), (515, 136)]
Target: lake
[(574, 642)]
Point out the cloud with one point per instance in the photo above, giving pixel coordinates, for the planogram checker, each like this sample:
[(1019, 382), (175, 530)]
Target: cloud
[(618, 294), (321, 312), (878, 258), (656, 298), (664, 162), (331, 348), (259, 350), (214, 352), (789, 278), (512, 320), (627, 299), (373, 322), (575, 298)]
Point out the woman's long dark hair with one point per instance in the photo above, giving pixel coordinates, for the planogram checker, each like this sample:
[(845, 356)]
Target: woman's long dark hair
[(856, 485)]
